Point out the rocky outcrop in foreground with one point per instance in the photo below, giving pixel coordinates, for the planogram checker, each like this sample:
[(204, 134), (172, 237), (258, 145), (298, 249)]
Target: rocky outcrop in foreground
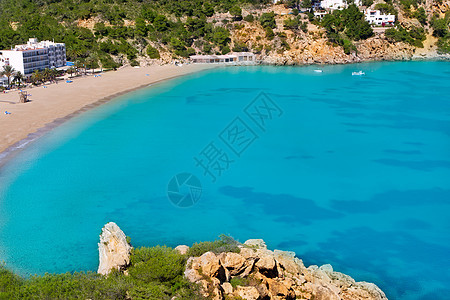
[(258, 273), (114, 250)]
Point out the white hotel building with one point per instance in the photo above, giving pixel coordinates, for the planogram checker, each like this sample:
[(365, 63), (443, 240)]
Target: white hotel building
[(34, 56)]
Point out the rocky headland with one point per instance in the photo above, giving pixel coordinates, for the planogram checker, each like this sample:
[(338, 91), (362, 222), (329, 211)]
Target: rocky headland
[(297, 47), (250, 271)]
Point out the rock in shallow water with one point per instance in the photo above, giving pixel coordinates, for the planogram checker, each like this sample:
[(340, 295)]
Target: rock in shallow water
[(113, 248)]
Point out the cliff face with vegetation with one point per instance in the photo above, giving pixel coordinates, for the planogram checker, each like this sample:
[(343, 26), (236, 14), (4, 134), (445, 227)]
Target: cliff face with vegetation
[(421, 31), (111, 33), (222, 269), (314, 47)]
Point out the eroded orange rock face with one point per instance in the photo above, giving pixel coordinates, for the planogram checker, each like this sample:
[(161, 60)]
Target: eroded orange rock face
[(258, 273)]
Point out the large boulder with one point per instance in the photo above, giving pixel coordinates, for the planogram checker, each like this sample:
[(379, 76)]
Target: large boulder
[(233, 262), (256, 243), (259, 273), (209, 265), (247, 292), (113, 248), (182, 249)]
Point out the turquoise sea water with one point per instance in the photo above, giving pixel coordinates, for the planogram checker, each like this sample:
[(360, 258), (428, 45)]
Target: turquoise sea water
[(348, 170)]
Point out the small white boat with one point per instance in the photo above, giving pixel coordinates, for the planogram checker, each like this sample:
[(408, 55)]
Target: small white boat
[(318, 71), (359, 73)]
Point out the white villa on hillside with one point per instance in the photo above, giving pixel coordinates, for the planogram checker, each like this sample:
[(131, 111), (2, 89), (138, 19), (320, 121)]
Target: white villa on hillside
[(337, 4), (320, 13), (34, 56), (375, 17), (235, 57)]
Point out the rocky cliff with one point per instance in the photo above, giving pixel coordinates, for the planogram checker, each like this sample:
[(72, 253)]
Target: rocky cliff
[(292, 47), (250, 272), (113, 248), (258, 273), (304, 43)]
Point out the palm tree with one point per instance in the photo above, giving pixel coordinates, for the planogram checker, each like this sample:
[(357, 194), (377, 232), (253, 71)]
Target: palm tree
[(74, 53), (53, 74), (71, 70), (46, 74), (7, 71), (79, 64), (36, 77), (92, 62), (18, 78)]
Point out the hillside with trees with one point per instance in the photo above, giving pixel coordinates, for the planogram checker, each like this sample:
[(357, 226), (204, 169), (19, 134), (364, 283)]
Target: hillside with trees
[(110, 33)]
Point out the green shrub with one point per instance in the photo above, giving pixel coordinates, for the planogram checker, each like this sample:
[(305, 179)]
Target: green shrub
[(240, 47), (348, 46), (152, 52), (307, 4), (386, 8), (221, 36), (108, 63), (444, 45), (151, 291), (440, 27), (414, 36), (421, 15), (160, 263), (291, 23), (10, 283), (207, 48), (282, 35), (348, 22), (75, 286), (257, 49), (224, 244), (235, 281), (249, 18), (304, 26), (270, 35), (236, 12), (225, 50), (268, 20)]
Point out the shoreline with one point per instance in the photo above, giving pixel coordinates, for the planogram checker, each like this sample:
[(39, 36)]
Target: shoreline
[(413, 58), (10, 148), (88, 94)]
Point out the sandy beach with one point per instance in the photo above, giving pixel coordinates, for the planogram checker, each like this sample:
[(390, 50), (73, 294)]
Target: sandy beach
[(63, 99)]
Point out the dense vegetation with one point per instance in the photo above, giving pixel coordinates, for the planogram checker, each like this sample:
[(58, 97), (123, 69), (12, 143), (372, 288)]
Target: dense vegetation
[(109, 33), (170, 24), (441, 30), (154, 273), (414, 36), (345, 26)]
